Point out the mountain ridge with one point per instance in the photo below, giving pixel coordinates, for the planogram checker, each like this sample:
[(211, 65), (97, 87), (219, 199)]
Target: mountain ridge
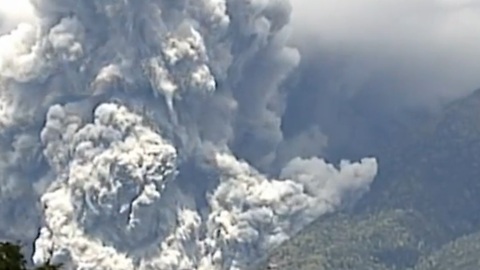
[(422, 204)]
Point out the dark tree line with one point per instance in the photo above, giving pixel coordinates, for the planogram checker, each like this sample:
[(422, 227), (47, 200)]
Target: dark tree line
[(12, 258)]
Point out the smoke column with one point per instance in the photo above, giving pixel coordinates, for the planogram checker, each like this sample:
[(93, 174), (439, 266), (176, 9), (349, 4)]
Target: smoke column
[(147, 134)]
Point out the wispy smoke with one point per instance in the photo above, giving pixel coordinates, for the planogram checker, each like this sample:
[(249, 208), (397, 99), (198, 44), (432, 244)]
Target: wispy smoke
[(103, 105)]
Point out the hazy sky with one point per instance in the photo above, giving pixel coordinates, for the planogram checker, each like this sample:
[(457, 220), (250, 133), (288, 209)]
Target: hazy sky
[(428, 48)]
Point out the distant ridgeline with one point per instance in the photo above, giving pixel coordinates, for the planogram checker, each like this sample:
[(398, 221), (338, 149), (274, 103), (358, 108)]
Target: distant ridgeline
[(423, 212)]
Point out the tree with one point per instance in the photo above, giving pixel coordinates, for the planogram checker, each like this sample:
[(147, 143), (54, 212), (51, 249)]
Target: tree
[(12, 258)]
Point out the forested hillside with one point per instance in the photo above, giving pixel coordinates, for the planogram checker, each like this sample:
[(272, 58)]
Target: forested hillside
[(422, 212)]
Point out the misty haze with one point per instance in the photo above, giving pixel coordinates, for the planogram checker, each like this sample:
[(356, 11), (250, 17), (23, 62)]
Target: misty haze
[(241, 134)]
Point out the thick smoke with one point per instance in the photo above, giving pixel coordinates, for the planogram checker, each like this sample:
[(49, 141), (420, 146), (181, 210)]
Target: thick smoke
[(105, 103), (13, 13)]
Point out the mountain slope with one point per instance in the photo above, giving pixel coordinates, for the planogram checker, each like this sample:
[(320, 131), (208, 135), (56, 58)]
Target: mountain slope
[(460, 254), (383, 241), (437, 175), (426, 195)]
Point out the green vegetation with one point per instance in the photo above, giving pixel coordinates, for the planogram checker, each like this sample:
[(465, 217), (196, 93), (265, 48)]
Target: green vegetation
[(387, 240), (12, 258), (423, 212), (462, 253)]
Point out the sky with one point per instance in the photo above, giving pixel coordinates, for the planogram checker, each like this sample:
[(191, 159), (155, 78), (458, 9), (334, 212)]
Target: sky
[(371, 69), (427, 49)]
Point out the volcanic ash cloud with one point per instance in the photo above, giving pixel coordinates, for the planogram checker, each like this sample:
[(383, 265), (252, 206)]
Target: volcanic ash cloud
[(145, 135)]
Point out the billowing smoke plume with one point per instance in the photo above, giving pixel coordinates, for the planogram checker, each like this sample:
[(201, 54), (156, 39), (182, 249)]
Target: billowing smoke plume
[(106, 104)]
